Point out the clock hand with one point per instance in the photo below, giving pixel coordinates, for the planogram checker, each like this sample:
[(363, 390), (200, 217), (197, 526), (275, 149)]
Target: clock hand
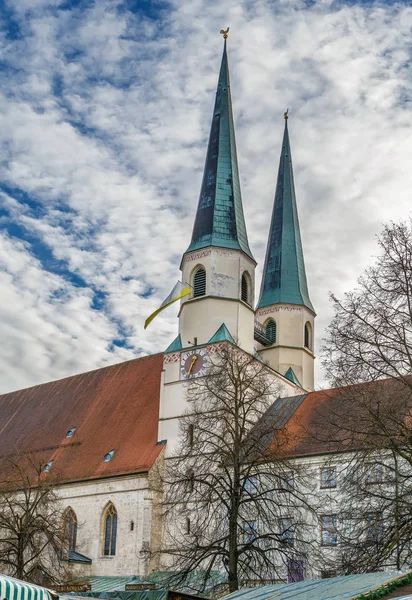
[(194, 359)]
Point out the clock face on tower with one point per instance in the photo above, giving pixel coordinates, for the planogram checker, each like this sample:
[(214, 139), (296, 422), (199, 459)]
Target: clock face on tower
[(193, 363)]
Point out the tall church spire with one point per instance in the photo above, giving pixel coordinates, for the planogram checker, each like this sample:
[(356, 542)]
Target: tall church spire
[(219, 219), (284, 276)]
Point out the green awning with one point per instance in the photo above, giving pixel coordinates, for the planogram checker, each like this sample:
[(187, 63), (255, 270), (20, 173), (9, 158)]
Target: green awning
[(14, 589)]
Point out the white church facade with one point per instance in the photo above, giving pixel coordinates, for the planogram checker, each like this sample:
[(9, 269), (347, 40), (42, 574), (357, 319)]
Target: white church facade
[(103, 432)]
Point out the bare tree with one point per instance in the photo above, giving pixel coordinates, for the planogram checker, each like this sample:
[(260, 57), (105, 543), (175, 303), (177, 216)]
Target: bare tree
[(33, 536), (368, 349), (233, 498), (370, 336)]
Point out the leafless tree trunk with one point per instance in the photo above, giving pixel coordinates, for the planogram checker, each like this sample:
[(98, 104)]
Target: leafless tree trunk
[(33, 536), (232, 497)]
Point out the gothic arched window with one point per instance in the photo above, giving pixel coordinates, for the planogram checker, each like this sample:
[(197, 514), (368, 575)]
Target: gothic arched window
[(199, 282), (110, 531), (70, 523), (245, 288), (308, 341), (270, 331)]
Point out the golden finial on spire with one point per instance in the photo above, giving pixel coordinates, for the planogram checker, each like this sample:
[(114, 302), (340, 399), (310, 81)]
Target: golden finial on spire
[(225, 33), (286, 114)]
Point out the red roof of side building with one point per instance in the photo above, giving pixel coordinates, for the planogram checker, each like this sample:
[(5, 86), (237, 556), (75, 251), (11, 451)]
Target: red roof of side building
[(341, 419), (113, 408)]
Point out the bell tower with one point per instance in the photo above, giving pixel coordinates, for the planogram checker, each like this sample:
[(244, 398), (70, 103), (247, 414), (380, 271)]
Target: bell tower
[(285, 317), (218, 263)]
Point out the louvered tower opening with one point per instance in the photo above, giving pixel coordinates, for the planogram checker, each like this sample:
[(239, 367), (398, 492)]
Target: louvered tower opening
[(199, 283), (271, 331), (245, 289), (307, 336)]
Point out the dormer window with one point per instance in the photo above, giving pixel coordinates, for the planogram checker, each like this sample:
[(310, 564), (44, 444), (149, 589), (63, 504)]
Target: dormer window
[(108, 457), (199, 282), (70, 433), (48, 466)]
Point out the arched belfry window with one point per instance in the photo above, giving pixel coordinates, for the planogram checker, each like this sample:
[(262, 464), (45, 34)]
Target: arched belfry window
[(70, 523), (245, 288), (199, 282), (110, 531), (308, 341), (270, 331)]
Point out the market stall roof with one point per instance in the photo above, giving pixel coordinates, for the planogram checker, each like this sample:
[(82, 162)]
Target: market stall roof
[(15, 589), (347, 587)]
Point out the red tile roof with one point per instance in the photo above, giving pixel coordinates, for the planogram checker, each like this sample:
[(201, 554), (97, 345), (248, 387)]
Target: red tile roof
[(113, 408), (338, 419)]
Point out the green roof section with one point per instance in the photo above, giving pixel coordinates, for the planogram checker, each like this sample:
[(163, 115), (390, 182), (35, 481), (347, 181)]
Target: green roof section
[(222, 335), (175, 346), (290, 374), (284, 275), (219, 218)]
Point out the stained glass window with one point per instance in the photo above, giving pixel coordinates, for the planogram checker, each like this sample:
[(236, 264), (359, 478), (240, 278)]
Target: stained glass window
[(110, 531), (71, 528)]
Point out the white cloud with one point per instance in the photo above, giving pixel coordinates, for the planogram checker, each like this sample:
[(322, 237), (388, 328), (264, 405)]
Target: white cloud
[(105, 122)]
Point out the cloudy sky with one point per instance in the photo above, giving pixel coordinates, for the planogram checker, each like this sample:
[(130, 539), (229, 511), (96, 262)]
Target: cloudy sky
[(105, 109)]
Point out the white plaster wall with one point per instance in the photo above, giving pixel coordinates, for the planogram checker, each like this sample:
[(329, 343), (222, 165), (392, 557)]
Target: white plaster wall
[(201, 317), (289, 350), (133, 501)]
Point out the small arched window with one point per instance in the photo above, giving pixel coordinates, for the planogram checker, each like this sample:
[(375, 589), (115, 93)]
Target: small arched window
[(199, 282), (271, 331), (245, 289), (308, 341), (110, 531), (70, 523)]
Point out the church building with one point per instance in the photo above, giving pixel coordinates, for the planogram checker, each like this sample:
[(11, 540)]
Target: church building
[(101, 433)]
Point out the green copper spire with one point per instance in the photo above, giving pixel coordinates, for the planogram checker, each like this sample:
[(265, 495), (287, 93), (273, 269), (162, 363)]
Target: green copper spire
[(219, 219), (284, 276)]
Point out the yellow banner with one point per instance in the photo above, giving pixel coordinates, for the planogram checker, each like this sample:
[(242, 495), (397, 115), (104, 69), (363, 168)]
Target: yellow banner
[(180, 290)]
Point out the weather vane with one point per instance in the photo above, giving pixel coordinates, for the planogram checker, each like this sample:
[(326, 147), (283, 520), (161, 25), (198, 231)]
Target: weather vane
[(225, 33), (286, 114)]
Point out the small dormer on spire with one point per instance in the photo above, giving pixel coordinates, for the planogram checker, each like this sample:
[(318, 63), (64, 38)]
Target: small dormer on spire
[(284, 275), (219, 218)]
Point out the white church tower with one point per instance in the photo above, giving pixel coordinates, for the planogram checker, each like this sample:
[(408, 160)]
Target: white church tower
[(285, 317), (218, 263), (219, 266)]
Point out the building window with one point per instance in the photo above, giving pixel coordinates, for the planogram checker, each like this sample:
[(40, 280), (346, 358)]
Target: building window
[(328, 525), (71, 432), (308, 340), (374, 527), (199, 282), (249, 531), (287, 481), (287, 531), (188, 526), (328, 478), (110, 531), (70, 522), (251, 486), (245, 288), (270, 331), (373, 473)]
